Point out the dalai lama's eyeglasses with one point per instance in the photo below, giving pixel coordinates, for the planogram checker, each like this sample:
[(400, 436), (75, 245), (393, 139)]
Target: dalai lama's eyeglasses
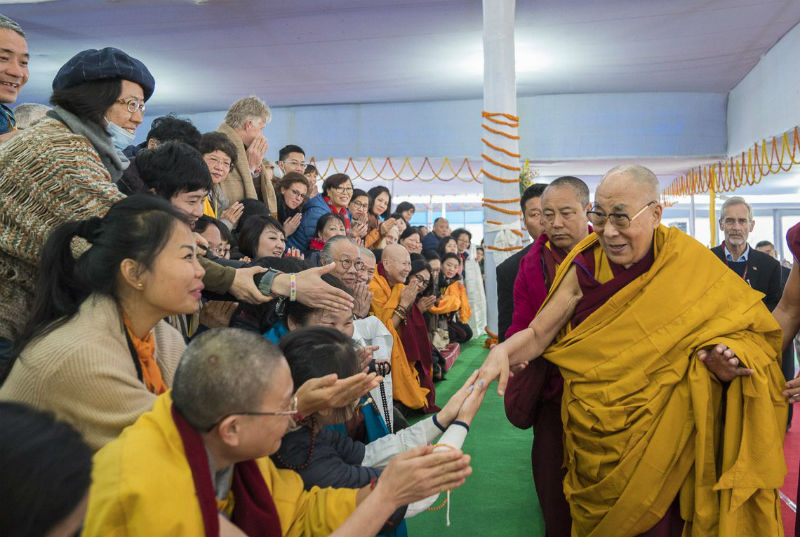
[(291, 412), (618, 220)]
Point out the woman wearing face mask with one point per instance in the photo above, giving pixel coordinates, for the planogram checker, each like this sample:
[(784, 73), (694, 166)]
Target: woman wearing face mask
[(65, 166)]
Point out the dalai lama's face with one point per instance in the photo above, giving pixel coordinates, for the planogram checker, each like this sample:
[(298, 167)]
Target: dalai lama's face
[(621, 194)]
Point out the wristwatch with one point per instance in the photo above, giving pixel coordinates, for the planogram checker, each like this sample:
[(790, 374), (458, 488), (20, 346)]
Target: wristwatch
[(265, 285)]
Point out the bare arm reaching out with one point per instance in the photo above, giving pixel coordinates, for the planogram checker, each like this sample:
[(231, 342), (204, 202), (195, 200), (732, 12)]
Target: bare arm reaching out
[(530, 343)]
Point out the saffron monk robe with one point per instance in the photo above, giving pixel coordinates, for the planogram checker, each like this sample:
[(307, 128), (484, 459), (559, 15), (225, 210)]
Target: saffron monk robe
[(656, 442), (198, 463)]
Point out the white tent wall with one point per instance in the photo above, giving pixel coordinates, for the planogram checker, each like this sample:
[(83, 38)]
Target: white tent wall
[(552, 127), (765, 102)]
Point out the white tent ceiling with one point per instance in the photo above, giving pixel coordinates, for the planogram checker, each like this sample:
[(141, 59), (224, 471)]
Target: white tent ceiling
[(205, 54)]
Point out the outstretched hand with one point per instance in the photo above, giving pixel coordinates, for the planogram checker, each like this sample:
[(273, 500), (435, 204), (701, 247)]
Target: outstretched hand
[(494, 367), (331, 392), (722, 361)]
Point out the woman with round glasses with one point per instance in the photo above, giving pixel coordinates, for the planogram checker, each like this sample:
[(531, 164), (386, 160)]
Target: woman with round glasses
[(337, 190), (65, 167)]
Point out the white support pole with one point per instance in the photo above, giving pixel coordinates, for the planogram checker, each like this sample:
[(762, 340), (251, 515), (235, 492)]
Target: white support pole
[(499, 97), (692, 217)]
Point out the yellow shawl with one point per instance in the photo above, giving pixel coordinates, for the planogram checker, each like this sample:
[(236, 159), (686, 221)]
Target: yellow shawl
[(142, 486), (644, 420), (405, 380)]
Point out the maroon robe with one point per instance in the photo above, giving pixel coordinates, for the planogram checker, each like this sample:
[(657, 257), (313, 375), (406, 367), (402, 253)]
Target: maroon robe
[(533, 397)]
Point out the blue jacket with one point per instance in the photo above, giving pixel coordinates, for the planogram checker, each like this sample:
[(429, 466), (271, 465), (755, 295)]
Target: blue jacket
[(312, 212)]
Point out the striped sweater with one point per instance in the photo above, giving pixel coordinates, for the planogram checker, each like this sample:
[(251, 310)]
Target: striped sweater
[(48, 175)]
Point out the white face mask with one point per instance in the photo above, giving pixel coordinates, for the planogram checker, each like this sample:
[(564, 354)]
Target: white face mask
[(120, 137)]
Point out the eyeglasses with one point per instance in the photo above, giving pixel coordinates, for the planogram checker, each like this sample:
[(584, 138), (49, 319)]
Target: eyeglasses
[(423, 281), (618, 220), (132, 105), (343, 189), (296, 193), (359, 205), (220, 250), (346, 263), (291, 412), (216, 162), (293, 162)]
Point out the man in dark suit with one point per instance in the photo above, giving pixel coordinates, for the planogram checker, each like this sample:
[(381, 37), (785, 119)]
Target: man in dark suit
[(531, 203), (759, 270)]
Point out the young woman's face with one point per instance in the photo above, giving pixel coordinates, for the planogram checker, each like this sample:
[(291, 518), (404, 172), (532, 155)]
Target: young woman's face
[(332, 227), (451, 247), (381, 204), (401, 226), (407, 214), (358, 207), (450, 268), (271, 243), (294, 195), (174, 282)]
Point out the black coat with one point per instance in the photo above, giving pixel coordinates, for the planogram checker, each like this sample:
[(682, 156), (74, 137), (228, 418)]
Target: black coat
[(506, 274), (763, 274)]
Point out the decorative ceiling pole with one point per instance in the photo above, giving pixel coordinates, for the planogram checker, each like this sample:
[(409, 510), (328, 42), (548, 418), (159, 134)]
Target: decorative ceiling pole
[(500, 136)]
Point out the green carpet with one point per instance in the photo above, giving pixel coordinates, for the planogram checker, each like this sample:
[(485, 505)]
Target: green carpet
[(498, 499)]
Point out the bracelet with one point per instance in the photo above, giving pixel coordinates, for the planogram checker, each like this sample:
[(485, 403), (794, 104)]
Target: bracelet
[(372, 483), (400, 313), (293, 287), (459, 422), (436, 422)]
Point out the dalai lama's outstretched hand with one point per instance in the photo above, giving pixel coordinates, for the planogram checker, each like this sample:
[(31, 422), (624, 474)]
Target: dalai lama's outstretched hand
[(722, 361), (494, 367)]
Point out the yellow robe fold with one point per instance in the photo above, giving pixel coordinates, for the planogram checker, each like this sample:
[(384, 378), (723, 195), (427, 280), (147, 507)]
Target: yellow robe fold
[(645, 421), (405, 380), (142, 486)]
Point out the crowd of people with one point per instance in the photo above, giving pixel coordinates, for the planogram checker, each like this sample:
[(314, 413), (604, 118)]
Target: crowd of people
[(197, 341), (193, 299)]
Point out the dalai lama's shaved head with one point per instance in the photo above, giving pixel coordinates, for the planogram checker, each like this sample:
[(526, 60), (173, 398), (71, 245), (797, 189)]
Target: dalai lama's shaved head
[(645, 180), (629, 193)]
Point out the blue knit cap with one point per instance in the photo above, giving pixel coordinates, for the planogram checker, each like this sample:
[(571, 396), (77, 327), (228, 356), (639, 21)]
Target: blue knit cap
[(101, 64)]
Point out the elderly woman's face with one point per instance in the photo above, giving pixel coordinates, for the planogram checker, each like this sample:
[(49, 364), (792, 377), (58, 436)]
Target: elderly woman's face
[(118, 112), (219, 164)]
